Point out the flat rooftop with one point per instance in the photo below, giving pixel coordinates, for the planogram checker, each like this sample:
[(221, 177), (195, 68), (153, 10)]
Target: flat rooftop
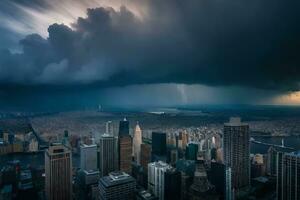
[(116, 178)]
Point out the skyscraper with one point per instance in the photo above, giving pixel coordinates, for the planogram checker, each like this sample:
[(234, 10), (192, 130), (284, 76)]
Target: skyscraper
[(145, 155), (201, 189), (137, 141), (172, 184), (125, 153), (117, 186), (159, 146), (192, 151), (125, 147), (124, 128), (88, 157), (108, 154), (109, 129), (156, 178), (288, 176), (236, 152), (58, 170)]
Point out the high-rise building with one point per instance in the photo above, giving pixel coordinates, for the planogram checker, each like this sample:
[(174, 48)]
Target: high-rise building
[(108, 154), (58, 170), (271, 161), (172, 156), (159, 146), (218, 177), (125, 153), (66, 139), (228, 184), (201, 189), (88, 157), (156, 178), (124, 128), (137, 141), (237, 152), (109, 129), (117, 186), (288, 176), (145, 155), (192, 151), (172, 184)]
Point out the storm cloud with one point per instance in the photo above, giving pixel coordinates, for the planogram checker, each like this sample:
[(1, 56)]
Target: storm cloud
[(253, 44)]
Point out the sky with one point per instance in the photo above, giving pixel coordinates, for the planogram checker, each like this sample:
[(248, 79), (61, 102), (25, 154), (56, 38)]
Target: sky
[(57, 54)]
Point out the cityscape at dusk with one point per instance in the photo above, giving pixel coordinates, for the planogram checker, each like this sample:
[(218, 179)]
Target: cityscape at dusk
[(149, 100)]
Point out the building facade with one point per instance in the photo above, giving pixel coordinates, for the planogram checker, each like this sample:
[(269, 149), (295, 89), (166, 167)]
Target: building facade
[(58, 171), (288, 176), (236, 152), (125, 153), (156, 178), (137, 141), (88, 157), (117, 186), (108, 154)]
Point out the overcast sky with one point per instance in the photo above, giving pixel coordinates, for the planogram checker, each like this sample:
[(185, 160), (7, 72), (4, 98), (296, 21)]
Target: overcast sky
[(72, 53)]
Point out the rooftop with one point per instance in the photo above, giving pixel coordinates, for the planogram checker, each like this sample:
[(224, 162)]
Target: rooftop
[(116, 178), (235, 121), (146, 195), (159, 164)]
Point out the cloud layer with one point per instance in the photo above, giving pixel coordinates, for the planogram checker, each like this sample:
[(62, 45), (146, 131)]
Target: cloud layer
[(216, 42)]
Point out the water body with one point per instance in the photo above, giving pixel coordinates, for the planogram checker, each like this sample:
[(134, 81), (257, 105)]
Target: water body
[(291, 141)]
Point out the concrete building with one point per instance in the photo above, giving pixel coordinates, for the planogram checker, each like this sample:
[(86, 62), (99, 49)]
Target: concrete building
[(125, 153), (156, 178), (137, 141), (117, 186), (124, 128), (172, 184), (145, 155), (159, 146), (288, 176), (109, 129), (108, 154), (237, 152), (58, 171), (201, 189), (88, 157)]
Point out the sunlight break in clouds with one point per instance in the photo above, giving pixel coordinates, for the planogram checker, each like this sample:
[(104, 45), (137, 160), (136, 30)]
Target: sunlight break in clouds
[(36, 19)]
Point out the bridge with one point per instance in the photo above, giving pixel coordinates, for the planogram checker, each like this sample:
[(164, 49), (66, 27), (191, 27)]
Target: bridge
[(269, 144)]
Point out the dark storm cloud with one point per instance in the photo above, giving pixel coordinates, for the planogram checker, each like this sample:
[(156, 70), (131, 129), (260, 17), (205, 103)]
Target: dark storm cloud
[(216, 42)]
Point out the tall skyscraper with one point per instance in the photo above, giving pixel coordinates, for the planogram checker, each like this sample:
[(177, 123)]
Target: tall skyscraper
[(288, 176), (58, 170), (192, 151), (228, 184), (88, 157), (145, 155), (125, 153), (124, 128), (109, 129), (237, 152), (117, 186), (137, 141), (156, 178), (172, 184), (108, 154), (159, 146), (201, 189)]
